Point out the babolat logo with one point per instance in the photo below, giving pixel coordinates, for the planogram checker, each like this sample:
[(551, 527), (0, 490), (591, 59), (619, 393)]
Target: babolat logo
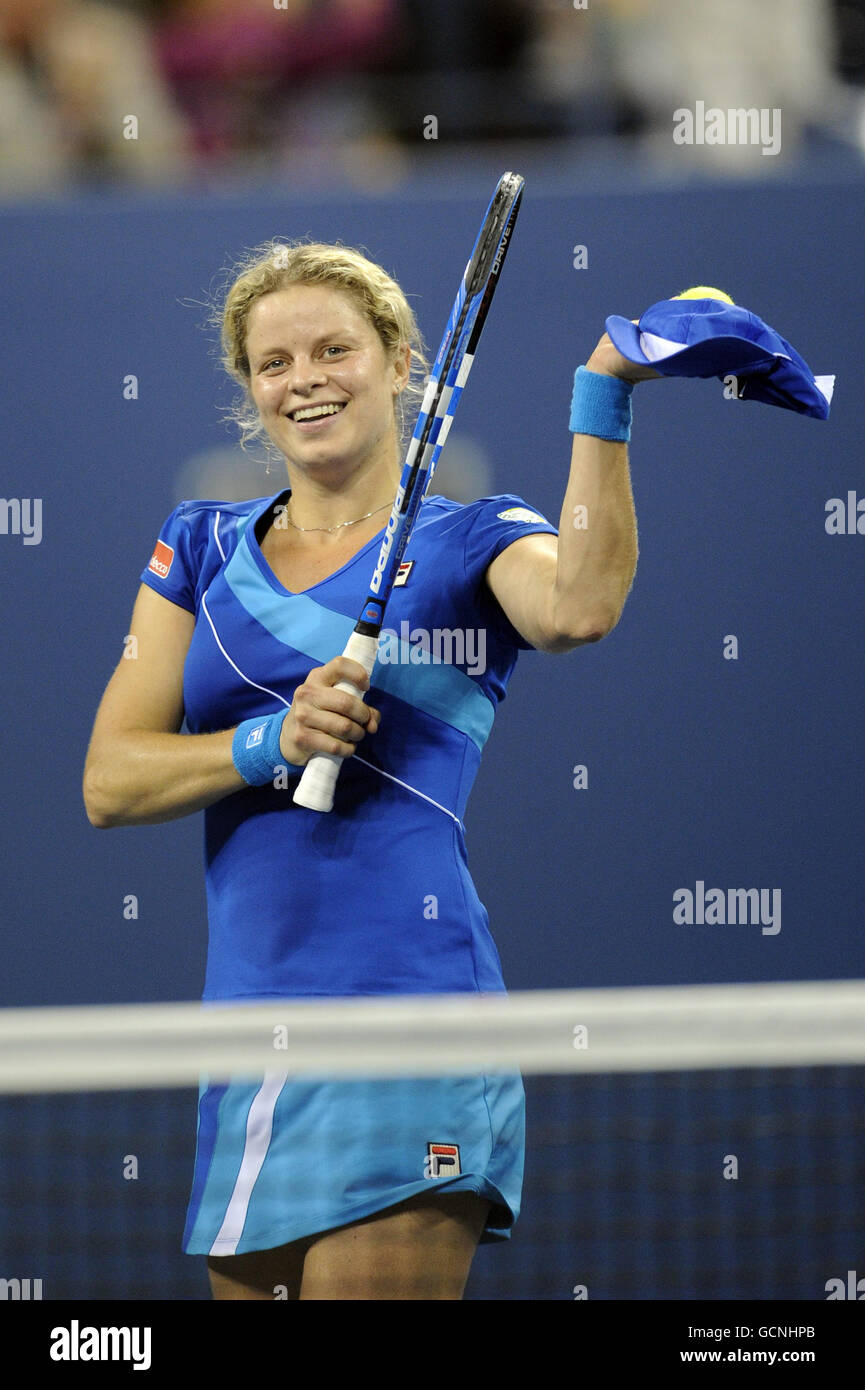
[(373, 612), (375, 583)]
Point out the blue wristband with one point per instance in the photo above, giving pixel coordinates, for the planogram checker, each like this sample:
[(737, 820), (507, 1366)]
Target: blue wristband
[(601, 405), (255, 749)]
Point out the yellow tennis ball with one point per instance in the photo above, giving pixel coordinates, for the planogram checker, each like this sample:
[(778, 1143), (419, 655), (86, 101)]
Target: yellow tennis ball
[(704, 292)]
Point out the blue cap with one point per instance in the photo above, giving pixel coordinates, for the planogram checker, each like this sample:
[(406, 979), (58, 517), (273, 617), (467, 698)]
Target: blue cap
[(708, 337)]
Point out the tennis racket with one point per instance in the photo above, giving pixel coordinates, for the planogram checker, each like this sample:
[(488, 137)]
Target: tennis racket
[(445, 387)]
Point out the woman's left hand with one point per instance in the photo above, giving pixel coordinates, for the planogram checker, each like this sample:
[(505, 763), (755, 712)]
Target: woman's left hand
[(608, 361)]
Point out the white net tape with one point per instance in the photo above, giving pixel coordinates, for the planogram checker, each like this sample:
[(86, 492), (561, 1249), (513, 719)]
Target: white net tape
[(681, 1027)]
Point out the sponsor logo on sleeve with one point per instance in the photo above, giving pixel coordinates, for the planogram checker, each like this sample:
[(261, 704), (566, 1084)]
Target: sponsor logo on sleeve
[(522, 514), (161, 559)]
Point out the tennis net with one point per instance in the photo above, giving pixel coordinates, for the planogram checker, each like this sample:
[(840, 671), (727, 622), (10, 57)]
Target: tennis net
[(693, 1142)]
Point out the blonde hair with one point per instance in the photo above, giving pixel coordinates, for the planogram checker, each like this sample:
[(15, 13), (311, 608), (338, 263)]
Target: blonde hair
[(275, 265)]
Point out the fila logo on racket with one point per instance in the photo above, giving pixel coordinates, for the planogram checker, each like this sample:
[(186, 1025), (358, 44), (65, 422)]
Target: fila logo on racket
[(375, 582), (442, 1161)]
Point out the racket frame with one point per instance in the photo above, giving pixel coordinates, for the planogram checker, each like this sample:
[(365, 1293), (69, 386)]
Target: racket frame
[(447, 380)]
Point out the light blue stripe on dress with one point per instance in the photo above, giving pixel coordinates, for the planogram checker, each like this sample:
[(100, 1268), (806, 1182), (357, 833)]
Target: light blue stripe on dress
[(225, 1160), (296, 620)]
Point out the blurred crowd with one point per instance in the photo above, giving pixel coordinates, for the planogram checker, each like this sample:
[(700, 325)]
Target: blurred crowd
[(160, 92)]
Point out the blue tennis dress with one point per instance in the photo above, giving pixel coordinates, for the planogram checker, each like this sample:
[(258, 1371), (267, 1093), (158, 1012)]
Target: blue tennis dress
[(373, 899)]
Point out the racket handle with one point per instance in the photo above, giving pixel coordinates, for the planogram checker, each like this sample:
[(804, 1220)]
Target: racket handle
[(316, 787)]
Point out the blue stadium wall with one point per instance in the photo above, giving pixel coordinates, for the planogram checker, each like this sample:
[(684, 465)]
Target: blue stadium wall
[(734, 773)]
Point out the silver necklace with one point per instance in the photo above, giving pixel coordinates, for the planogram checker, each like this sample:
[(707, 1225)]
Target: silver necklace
[(341, 524)]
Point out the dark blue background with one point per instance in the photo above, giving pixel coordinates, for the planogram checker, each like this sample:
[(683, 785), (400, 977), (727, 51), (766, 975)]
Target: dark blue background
[(744, 773)]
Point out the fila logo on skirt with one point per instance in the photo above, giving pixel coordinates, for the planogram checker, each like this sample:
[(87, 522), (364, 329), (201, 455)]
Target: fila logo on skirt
[(442, 1161)]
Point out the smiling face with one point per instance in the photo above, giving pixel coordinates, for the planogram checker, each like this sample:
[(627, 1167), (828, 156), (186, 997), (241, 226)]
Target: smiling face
[(322, 381)]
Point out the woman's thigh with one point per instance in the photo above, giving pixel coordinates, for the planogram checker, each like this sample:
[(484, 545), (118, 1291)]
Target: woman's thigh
[(421, 1249), (260, 1274)]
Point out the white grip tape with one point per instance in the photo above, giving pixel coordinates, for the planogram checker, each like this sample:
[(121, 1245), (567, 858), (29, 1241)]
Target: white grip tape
[(316, 786)]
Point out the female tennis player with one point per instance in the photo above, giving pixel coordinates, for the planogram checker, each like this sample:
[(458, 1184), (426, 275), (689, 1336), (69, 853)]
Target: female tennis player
[(348, 1190)]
